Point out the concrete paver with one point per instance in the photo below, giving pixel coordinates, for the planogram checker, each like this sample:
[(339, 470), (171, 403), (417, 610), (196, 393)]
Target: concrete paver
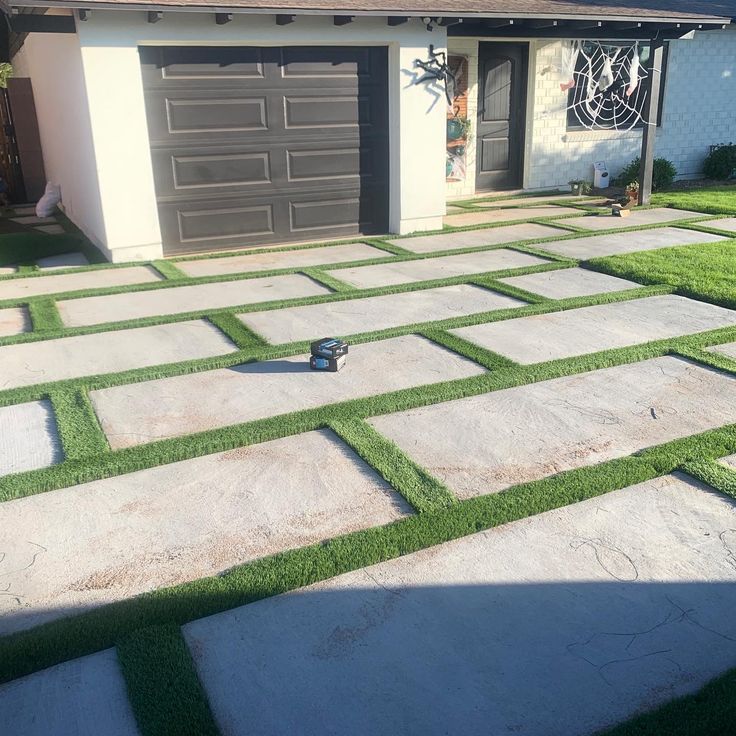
[(179, 299), (572, 332), (117, 537), (353, 316), (385, 274), (109, 352), (21, 288), (655, 216), (511, 214), (595, 246), (14, 321), (557, 625), (483, 444), (476, 238), (300, 258), (28, 437), (172, 407), (83, 697), (569, 282)]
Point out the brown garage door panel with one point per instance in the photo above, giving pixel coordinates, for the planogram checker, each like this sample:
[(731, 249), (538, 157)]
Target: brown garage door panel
[(258, 145)]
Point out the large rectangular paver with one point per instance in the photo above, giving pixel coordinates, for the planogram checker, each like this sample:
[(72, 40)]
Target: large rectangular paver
[(386, 274), (109, 352), (595, 246), (655, 216), (83, 697), (179, 299), (476, 238), (728, 349), (557, 625), (20, 288), (604, 327), (171, 407), (515, 214), (300, 258), (569, 282), (353, 316), (115, 538), (13, 321), (28, 437), (483, 444), (727, 223)]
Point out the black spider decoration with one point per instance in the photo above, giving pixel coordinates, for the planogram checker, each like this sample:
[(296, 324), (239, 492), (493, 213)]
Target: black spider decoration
[(436, 68)]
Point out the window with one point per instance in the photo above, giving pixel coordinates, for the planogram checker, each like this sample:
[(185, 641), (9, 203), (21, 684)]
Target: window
[(590, 108)]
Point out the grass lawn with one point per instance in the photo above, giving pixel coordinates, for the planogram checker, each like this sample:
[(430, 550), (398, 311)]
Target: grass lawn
[(711, 200), (162, 682), (705, 272)]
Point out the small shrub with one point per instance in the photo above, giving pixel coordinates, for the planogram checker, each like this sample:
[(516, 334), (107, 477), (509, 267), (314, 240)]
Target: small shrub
[(663, 176), (720, 163)]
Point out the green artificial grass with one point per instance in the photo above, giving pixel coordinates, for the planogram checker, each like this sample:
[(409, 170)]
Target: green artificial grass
[(27, 246), (709, 712), (164, 690), (45, 315), (163, 687), (719, 200), (27, 651), (706, 271)]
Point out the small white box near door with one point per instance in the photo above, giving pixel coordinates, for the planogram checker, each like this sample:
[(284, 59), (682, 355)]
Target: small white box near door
[(600, 175)]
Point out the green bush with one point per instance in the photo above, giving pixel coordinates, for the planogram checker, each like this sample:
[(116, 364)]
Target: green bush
[(720, 162), (662, 178)]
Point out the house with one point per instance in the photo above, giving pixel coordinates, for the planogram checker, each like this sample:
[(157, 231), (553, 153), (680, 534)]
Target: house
[(179, 126)]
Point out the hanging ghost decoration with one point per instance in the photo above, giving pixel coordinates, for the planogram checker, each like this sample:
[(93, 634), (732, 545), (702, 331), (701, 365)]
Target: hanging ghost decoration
[(606, 78), (633, 72), (567, 65)]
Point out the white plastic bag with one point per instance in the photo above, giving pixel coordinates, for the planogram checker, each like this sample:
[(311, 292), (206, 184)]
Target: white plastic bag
[(47, 204)]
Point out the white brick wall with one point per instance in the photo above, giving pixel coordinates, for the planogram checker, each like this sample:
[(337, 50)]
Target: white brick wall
[(699, 110)]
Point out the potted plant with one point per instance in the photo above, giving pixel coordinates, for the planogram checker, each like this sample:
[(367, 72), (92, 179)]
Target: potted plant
[(457, 128), (632, 190), (580, 186)]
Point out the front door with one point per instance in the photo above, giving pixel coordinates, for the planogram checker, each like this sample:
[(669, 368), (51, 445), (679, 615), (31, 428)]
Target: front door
[(502, 75)]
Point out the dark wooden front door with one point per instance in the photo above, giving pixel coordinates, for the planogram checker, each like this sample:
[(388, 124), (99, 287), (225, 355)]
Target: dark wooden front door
[(255, 145), (502, 73)]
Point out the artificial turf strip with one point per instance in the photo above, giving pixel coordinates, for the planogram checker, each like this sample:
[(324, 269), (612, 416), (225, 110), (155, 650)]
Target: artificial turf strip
[(272, 352), (709, 712), (487, 358), (242, 337), (706, 271), (104, 465), (76, 422), (45, 316), (170, 271), (162, 683), (325, 278), (422, 490), (713, 474), (24, 652)]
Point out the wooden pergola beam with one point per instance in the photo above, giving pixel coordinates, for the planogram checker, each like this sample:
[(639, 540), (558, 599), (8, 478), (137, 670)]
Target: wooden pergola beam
[(154, 16), (651, 113), (284, 20), (343, 20), (222, 18), (397, 20)]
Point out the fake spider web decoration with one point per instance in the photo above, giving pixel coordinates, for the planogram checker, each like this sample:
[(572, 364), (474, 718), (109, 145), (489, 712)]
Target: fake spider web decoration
[(608, 84)]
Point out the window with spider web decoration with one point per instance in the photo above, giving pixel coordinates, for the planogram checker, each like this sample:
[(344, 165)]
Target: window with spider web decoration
[(602, 98)]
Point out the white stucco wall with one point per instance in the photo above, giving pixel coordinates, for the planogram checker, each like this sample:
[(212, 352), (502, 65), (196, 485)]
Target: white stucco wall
[(109, 43), (54, 64), (699, 110)]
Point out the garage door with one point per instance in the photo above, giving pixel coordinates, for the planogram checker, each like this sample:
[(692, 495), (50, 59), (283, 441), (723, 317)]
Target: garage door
[(263, 145)]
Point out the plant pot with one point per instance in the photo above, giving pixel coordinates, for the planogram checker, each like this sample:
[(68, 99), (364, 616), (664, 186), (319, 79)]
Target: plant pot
[(454, 129)]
